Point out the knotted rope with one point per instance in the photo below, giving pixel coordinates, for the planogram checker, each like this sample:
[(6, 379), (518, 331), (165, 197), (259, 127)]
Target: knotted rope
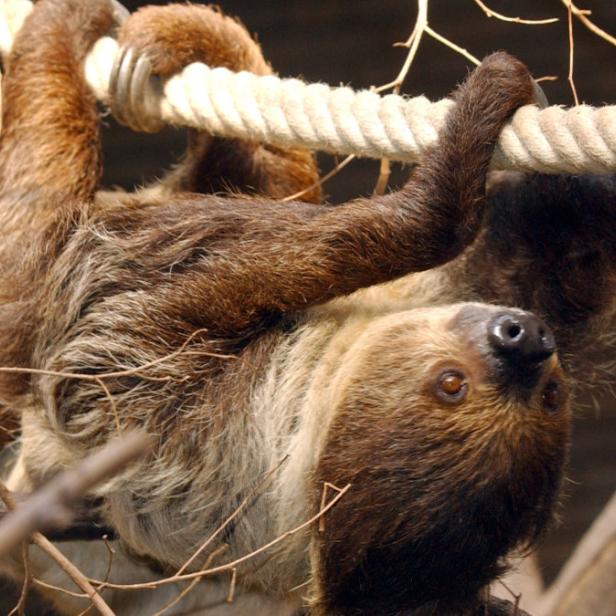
[(291, 113)]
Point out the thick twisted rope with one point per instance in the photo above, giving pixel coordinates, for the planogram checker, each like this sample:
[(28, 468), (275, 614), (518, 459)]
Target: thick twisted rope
[(291, 113)]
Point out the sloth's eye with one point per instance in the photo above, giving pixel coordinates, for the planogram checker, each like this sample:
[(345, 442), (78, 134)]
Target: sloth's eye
[(550, 397), (451, 386)]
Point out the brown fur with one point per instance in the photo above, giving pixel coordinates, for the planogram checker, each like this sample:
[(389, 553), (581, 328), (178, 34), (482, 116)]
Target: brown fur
[(91, 284)]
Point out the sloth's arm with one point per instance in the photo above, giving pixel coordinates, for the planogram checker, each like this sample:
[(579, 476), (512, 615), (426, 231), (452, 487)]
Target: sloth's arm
[(173, 36), (49, 145), (549, 245), (49, 159), (238, 265)]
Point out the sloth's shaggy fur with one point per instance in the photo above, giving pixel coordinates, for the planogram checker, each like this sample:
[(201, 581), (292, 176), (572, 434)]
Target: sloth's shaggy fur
[(317, 337)]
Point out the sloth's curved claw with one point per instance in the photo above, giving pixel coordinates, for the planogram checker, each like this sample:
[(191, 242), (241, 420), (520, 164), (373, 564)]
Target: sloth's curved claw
[(134, 92), (120, 12), (539, 97)]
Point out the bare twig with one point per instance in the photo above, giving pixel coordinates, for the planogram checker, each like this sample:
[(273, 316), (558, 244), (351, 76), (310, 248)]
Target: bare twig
[(51, 505), (383, 179), (412, 43), (420, 28), (20, 608), (73, 572), (328, 176), (193, 583), (231, 517), (582, 16), (571, 52), (231, 593), (234, 563), (65, 591), (66, 565), (99, 378), (445, 41), (516, 20), (110, 553), (326, 486), (516, 596)]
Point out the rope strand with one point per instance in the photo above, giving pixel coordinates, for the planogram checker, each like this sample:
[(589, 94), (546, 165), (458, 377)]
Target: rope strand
[(291, 113)]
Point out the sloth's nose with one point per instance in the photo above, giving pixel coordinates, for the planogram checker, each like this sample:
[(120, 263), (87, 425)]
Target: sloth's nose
[(521, 337)]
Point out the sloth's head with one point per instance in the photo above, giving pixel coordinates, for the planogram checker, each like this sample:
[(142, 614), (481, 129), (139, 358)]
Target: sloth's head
[(452, 428)]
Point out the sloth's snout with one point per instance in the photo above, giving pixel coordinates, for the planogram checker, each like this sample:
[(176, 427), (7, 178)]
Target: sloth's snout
[(520, 337)]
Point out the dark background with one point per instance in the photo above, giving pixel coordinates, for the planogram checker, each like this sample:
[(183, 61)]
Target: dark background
[(350, 42)]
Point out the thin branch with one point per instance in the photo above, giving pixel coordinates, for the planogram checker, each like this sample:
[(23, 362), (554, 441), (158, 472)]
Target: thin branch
[(239, 509), (582, 16), (328, 176), (51, 505), (73, 572), (383, 179), (463, 52), (231, 593), (66, 565), (516, 20), (413, 45), (110, 554), (71, 593), (116, 373), (238, 561), (571, 52), (516, 596), (193, 583), (20, 608), (326, 486)]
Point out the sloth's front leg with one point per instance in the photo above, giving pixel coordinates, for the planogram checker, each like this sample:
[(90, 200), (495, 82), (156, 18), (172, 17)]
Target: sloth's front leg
[(257, 263), (158, 42)]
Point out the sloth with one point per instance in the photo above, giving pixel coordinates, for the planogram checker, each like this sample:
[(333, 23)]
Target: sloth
[(400, 347)]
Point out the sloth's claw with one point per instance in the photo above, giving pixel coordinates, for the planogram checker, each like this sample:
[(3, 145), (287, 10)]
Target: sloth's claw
[(134, 92), (540, 99), (120, 12)]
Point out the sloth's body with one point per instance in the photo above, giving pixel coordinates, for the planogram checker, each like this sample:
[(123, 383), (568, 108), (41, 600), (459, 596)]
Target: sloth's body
[(314, 350)]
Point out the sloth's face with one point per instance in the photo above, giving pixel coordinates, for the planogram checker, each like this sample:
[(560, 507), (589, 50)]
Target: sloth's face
[(452, 429)]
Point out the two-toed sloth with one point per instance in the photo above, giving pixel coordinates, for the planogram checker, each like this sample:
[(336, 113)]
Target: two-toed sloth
[(386, 343)]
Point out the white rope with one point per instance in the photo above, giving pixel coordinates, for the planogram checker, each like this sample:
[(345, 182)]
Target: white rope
[(291, 113)]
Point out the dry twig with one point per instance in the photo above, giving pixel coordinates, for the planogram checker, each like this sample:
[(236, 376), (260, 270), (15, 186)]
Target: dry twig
[(571, 52), (516, 20), (234, 563), (66, 565), (252, 494), (582, 16), (20, 607), (51, 506), (193, 583)]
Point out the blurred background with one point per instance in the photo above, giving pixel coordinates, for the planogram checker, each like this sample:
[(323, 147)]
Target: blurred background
[(351, 42)]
